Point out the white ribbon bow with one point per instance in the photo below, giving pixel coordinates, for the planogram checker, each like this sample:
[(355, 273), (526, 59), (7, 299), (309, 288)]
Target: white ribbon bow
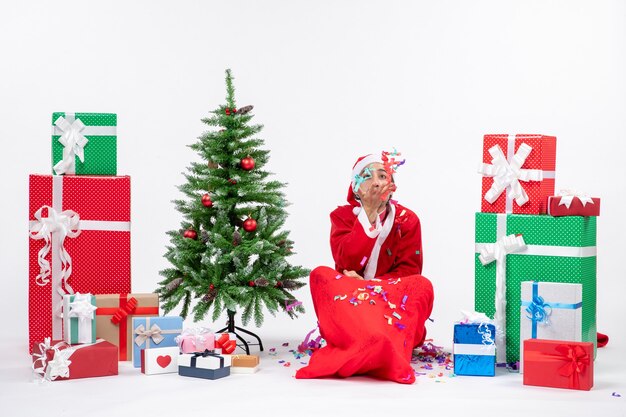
[(66, 224), (497, 252), (509, 174), (73, 142), (153, 333), (567, 196), (81, 307), (58, 367)]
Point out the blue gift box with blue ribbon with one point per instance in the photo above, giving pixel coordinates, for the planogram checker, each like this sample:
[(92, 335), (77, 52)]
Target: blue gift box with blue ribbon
[(474, 349), (206, 365), (550, 311)]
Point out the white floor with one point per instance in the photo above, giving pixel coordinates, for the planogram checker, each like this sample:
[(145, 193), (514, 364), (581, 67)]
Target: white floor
[(275, 392)]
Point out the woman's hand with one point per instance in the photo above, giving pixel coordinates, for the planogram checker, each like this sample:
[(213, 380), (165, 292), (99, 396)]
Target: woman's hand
[(352, 274), (372, 200)]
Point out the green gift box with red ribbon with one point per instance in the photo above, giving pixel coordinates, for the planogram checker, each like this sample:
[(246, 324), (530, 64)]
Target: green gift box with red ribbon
[(114, 315), (511, 248)]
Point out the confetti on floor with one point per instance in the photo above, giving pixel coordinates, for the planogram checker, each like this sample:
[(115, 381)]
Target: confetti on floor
[(615, 394), (432, 361)]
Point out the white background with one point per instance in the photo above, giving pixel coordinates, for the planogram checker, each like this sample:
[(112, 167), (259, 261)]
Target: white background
[(330, 81)]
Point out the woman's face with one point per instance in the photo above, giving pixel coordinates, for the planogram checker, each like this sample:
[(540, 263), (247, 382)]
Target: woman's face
[(376, 177)]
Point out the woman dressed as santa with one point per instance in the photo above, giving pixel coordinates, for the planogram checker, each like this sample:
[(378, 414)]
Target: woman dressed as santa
[(372, 306)]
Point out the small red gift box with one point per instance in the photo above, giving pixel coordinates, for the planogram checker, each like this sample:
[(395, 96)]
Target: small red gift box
[(573, 205), (518, 173), (558, 364), (56, 360), (79, 242), (225, 343)]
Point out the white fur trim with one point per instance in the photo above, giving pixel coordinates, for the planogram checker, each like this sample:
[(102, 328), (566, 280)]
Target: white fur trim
[(372, 263), (367, 226)]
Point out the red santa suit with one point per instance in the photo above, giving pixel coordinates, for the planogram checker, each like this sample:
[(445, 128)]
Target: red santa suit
[(370, 327)]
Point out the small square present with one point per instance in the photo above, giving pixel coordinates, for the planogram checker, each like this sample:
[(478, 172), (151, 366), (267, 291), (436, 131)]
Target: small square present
[(518, 173), (56, 360), (225, 343), (150, 332), (79, 318), (114, 318), (558, 364), (474, 349), (84, 143), (196, 339), (207, 365), (552, 311), (244, 364), (161, 360), (572, 204)]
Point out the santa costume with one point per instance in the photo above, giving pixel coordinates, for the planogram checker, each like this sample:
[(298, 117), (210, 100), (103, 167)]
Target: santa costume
[(370, 326)]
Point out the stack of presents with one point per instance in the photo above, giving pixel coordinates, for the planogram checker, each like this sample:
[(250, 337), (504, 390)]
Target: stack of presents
[(83, 317), (535, 270)]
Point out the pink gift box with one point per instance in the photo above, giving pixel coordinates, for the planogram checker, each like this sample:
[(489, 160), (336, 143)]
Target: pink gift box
[(196, 340)]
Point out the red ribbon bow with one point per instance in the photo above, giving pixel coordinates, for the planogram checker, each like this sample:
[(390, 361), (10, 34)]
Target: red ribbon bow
[(576, 360), (123, 312), (227, 345)]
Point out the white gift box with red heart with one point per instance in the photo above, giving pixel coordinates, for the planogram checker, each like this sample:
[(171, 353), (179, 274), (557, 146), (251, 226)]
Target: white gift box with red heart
[(159, 360)]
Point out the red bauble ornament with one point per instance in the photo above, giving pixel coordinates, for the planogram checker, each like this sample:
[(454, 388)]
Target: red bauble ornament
[(249, 225), (251, 283), (206, 201), (190, 234), (247, 163), (211, 286), (232, 181), (279, 284)]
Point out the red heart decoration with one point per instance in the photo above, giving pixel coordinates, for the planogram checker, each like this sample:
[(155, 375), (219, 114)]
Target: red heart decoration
[(163, 361)]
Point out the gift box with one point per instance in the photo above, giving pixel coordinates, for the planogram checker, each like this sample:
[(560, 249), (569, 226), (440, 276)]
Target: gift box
[(244, 364), (225, 343), (555, 249), (84, 143), (114, 318), (193, 340), (79, 242), (573, 205), (207, 365), (550, 311), (151, 332), (79, 318), (518, 173), (56, 360), (474, 349), (558, 364), (161, 360)]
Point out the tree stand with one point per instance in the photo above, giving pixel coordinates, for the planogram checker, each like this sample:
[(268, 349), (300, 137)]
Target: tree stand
[(231, 328)]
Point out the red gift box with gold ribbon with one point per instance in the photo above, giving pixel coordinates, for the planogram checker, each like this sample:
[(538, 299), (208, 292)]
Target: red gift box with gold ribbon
[(79, 242), (114, 318), (518, 173), (558, 364)]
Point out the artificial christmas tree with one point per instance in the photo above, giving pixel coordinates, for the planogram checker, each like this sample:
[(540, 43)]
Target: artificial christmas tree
[(242, 241)]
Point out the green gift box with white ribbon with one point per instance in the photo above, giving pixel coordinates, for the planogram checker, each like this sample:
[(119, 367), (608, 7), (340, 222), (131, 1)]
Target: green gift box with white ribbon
[(79, 318), (84, 143), (511, 248)]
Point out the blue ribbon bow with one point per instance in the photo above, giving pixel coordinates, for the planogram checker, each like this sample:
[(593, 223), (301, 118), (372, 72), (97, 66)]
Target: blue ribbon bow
[(538, 311)]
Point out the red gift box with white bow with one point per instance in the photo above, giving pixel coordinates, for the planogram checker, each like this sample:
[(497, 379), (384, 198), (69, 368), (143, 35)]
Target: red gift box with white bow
[(558, 364), (572, 204), (518, 173), (79, 242), (56, 360)]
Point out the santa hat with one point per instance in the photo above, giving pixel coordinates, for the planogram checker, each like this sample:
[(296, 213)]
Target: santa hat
[(360, 164)]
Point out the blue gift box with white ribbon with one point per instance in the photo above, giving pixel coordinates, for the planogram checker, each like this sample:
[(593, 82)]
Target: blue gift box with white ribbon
[(206, 365), (151, 332), (550, 311), (474, 349)]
